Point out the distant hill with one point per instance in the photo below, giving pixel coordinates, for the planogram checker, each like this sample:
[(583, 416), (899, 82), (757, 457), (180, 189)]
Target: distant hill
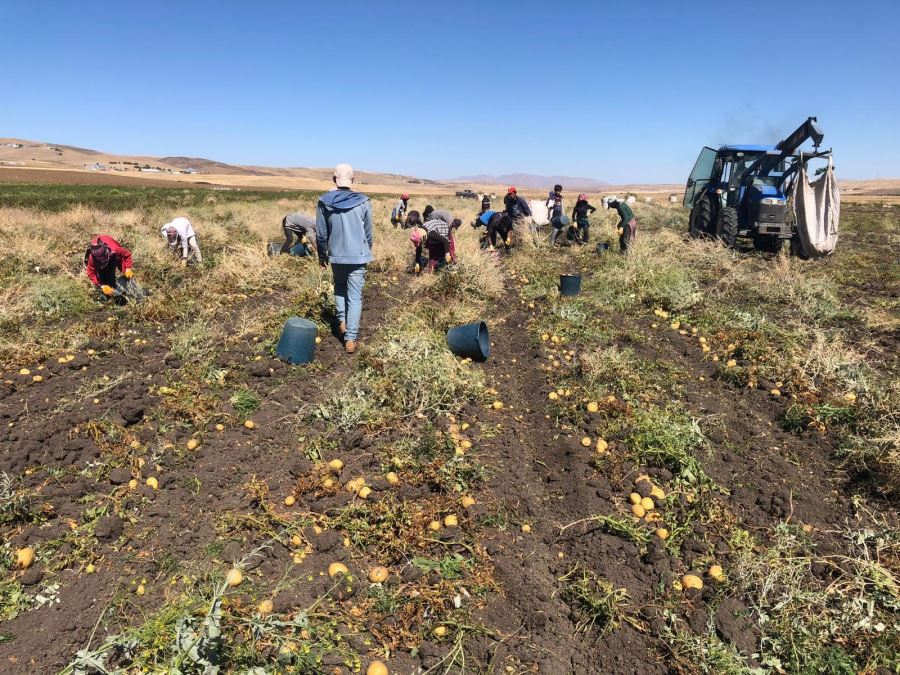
[(212, 166), (534, 182)]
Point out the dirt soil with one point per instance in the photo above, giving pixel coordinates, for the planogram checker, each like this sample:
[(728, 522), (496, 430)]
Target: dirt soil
[(539, 473)]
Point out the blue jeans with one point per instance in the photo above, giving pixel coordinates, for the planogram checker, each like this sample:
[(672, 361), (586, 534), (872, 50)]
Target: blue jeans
[(348, 295)]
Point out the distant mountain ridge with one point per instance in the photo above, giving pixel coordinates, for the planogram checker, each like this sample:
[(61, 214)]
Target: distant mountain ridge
[(212, 166), (533, 181)]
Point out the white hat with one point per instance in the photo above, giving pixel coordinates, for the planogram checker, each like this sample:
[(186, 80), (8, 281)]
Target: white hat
[(343, 175)]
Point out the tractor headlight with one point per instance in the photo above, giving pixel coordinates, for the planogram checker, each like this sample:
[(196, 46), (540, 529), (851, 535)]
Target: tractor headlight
[(772, 201)]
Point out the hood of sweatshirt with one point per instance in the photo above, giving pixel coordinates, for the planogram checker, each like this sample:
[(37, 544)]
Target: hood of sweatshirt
[(442, 214), (343, 200)]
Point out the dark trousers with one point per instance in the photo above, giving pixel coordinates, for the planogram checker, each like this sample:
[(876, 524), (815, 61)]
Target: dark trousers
[(502, 229), (438, 248), (629, 230), (584, 225)]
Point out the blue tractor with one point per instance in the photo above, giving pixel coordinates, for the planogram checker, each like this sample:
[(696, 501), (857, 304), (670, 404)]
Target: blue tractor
[(742, 190)]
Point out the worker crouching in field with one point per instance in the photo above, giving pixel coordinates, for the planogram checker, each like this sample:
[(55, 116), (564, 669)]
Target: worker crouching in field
[(439, 232), (179, 234), (103, 259), (344, 239), (417, 238), (299, 227), (580, 217), (627, 227), (498, 224), (399, 211)]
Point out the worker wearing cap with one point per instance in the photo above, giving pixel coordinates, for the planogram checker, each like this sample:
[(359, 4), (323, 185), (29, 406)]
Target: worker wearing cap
[(627, 227), (399, 210), (344, 240), (179, 233), (516, 207)]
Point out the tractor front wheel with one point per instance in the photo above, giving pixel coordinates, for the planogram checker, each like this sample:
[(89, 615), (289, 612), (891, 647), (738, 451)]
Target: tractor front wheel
[(702, 220), (768, 244), (727, 226)]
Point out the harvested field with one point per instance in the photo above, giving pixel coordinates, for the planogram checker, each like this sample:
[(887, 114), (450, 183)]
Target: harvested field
[(691, 467)]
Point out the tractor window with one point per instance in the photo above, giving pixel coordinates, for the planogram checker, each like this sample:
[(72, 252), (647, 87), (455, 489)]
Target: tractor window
[(700, 175)]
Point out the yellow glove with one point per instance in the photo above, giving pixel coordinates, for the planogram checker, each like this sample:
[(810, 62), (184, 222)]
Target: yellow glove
[(508, 241), (621, 231), (129, 273), (107, 290), (447, 258)]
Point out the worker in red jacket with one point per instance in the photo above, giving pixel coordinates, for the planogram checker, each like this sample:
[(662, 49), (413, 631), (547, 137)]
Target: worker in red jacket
[(103, 257)]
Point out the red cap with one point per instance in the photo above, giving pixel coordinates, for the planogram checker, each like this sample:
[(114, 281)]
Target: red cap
[(511, 190)]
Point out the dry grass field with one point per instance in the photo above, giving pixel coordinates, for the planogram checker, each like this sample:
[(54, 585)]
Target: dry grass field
[(691, 467)]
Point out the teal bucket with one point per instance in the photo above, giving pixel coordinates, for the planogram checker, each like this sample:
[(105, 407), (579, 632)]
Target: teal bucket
[(569, 285), (470, 340), (298, 341), (274, 248)]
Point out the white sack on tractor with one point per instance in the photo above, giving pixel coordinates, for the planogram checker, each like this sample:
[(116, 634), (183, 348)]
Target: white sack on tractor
[(539, 212), (817, 211)]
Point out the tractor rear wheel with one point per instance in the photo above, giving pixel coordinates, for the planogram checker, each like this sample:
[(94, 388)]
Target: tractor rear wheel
[(702, 220), (727, 226)]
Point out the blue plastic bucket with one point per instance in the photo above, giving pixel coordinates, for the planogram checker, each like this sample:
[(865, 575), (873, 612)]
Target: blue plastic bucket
[(470, 340), (274, 248), (301, 250), (569, 284), (298, 341)]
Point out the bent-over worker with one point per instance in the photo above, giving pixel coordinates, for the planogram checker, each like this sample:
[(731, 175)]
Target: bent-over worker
[(627, 227), (105, 256), (298, 226), (179, 233)]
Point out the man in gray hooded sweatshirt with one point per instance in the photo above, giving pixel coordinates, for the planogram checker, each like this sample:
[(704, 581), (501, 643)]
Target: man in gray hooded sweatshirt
[(344, 239)]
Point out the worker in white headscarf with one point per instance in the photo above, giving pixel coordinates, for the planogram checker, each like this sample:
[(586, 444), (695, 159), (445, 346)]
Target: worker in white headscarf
[(179, 233)]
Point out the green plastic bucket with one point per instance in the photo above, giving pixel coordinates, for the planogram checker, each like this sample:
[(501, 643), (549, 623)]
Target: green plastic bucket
[(569, 284), (298, 341), (471, 340)]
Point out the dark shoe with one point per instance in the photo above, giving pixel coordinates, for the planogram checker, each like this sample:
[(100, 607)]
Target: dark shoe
[(350, 346)]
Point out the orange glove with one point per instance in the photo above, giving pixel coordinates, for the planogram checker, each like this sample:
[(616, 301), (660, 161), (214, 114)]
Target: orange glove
[(107, 290), (129, 273)]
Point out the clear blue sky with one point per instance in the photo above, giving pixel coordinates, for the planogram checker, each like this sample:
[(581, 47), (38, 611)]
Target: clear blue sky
[(618, 91)]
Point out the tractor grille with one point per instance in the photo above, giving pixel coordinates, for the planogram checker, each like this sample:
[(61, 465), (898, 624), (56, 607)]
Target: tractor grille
[(771, 213)]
